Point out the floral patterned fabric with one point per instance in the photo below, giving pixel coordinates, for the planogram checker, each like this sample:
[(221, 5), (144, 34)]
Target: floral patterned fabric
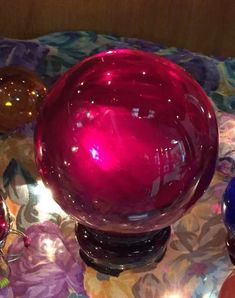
[(196, 261)]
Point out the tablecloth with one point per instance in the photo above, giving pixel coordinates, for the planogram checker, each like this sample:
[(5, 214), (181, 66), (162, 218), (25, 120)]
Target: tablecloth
[(196, 261)]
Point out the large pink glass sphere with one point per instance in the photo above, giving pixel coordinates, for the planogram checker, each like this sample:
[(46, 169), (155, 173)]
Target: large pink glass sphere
[(127, 141)]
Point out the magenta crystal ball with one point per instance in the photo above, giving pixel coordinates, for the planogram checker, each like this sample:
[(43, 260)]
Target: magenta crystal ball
[(4, 221), (127, 141)]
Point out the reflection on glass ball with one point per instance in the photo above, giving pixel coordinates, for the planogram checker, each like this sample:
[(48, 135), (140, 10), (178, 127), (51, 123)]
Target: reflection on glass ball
[(127, 141), (21, 93)]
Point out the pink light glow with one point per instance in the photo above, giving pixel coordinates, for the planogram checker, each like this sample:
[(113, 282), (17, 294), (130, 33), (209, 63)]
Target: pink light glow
[(101, 153)]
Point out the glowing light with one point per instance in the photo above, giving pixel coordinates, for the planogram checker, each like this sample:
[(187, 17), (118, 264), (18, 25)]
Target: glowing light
[(33, 93), (40, 151), (52, 247), (135, 112), (48, 243), (98, 145), (66, 163), (209, 295), (91, 115), (8, 104), (177, 294), (94, 153), (46, 205), (174, 296), (30, 113), (79, 124), (151, 114), (74, 149)]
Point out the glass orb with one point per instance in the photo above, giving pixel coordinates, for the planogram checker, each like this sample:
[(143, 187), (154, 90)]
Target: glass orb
[(4, 221), (229, 206), (21, 93), (127, 141)]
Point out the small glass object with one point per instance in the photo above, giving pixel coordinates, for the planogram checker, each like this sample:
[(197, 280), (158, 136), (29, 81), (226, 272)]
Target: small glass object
[(21, 94), (6, 228), (228, 210)]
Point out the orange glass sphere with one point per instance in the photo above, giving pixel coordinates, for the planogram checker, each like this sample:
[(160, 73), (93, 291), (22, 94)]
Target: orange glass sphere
[(227, 289), (21, 92)]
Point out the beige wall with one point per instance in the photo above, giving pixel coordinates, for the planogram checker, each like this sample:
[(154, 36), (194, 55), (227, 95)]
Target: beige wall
[(200, 25)]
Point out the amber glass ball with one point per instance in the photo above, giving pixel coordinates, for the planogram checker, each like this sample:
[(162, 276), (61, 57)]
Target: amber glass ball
[(21, 93)]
